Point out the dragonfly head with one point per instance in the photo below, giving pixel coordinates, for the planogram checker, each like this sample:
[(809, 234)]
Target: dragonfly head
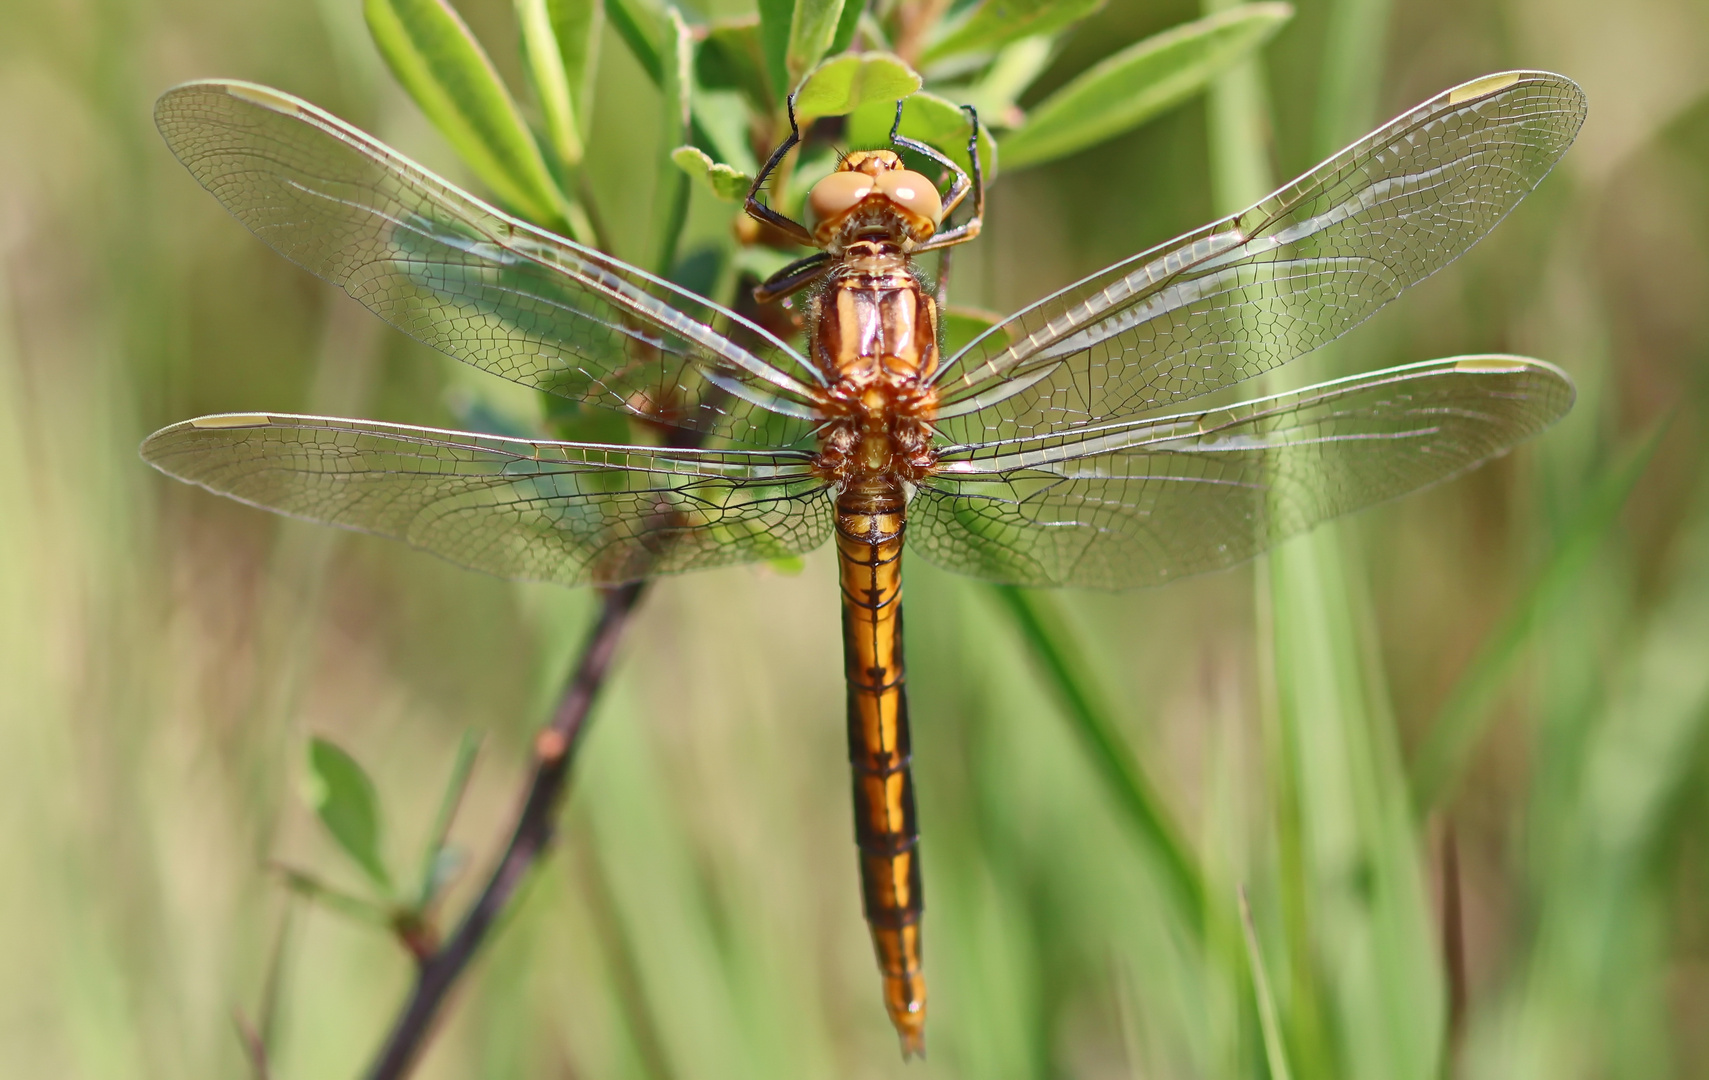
[(872, 194)]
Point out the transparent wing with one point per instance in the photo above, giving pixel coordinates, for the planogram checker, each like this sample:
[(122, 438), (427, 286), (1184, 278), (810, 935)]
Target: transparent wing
[(571, 513), (1245, 294), (491, 290), (1143, 503)]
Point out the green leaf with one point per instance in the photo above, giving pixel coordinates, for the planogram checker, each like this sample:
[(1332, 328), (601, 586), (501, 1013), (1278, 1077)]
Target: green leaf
[(846, 26), (1140, 82), (670, 198), (1038, 618), (1275, 1051), (726, 183), (1014, 69), (639, 28), (577, 24), (445, 70), (812, 27), (351, 907), (997, 22), (732, 57), (545, 60), (930, 119), (843, 84), (776, 17), (1462, 717), (340, 792), (439, 863)]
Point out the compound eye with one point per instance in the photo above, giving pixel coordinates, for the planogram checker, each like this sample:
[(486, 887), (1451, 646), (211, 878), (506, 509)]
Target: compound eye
[(837, 194), (912, 192)]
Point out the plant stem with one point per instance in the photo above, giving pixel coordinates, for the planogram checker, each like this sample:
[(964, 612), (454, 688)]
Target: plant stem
[(554, 750)]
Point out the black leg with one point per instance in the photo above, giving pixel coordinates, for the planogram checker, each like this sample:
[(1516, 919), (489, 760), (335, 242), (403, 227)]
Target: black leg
[(970, 228), (792, 278), (760, 211)]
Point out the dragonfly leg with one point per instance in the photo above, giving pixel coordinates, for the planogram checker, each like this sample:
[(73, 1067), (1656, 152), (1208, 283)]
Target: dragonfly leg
[(760, 211), (968, 229), (792, 278)]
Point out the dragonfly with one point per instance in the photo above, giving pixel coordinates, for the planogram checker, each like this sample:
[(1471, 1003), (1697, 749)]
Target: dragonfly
[(1080, 442)]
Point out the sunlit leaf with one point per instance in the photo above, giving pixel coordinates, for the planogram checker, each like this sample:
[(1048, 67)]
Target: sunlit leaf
[(445, 70), (1013, 70), (928, 118), (843, 84), (1136, 84), (338, 789), (998, 22), (545, 61), (812, 28), (722, 180)]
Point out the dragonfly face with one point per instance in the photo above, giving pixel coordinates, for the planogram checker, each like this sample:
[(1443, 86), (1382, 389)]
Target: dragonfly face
[(1064, 446)]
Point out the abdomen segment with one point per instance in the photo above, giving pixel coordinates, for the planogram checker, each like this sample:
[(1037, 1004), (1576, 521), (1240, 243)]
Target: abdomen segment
[(869, 554)]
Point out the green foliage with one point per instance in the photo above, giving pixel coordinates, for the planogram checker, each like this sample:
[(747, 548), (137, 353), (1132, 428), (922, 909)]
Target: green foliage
[(722, 180), (846, 83), (448, 74), (1138, 83), (995, 23), (928, 118), (339, 791)]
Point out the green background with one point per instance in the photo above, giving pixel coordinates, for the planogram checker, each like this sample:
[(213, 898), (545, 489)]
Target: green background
[(164, 655)]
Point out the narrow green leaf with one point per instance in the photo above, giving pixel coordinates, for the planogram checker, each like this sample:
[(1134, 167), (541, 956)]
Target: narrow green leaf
[(812, 27), (846, 26), (577, 24), (726, 183), (1461, 720), (340, 792), (1046, 633), (1140, 82), (446, 71), (435, 856), (352, 907), (776, 17), (640, 30), (928, 118), (732, 57), (1275, 1051), (843, 84), (670, 198), (545, 60), (995, 23), (1014, 69)]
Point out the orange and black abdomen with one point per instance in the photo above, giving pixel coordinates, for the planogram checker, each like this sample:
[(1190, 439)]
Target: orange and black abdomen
[(869, 554)]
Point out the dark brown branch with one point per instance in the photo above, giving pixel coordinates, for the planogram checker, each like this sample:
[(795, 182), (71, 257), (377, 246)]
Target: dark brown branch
[(554, 750)]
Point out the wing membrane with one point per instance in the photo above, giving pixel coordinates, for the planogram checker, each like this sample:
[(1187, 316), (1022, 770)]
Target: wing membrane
[(1245, 294), (571, 513), (491, 290), (1143, 503)]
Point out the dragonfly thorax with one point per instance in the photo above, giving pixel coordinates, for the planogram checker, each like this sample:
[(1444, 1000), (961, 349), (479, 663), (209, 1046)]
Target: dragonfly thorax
[(874, 333)]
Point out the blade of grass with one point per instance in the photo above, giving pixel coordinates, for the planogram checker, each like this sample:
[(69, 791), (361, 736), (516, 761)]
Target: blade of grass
[(1275, 1052), (458, 782), (1046, 634), (670, 199), (1461, 720)]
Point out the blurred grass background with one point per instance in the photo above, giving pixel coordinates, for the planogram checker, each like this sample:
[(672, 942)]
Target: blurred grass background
[(164, 654)]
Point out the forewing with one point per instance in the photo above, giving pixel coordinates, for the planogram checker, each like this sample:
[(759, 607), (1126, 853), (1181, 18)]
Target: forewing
[(571, 513), (1245, 294), (487, 288), (1143, 503)]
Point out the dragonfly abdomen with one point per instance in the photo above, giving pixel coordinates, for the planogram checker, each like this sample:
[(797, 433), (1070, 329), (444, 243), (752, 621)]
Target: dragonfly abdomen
[(870, 521)]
